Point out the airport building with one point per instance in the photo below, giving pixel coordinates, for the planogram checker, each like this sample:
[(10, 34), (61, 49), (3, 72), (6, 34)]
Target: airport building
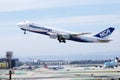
[(4, 63), (51, 62)]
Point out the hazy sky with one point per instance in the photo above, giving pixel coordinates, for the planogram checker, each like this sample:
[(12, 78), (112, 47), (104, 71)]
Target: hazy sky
[(74, 15)]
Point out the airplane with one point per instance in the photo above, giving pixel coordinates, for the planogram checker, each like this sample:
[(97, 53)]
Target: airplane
[(112, 64), (62, 35), (53, 67), (24, 66)]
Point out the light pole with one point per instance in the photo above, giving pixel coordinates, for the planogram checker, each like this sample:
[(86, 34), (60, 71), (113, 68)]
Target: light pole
[(9, 55)]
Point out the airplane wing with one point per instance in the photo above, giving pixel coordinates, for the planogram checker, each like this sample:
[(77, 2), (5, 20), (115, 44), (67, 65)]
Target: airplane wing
[(80, 34)]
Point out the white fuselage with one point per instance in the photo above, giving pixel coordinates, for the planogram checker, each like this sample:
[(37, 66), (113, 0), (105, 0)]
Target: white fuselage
[(59, 34)]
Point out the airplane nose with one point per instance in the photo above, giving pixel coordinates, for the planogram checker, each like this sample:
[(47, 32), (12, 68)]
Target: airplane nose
[(19, 24)]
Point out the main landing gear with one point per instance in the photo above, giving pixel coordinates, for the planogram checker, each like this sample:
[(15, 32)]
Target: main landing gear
[(61, 39)]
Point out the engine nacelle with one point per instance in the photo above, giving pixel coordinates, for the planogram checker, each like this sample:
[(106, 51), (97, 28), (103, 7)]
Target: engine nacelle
[(65, 35), (53, 35)]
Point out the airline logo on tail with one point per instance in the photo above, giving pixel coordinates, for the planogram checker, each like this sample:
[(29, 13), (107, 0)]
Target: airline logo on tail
[(105, 33)]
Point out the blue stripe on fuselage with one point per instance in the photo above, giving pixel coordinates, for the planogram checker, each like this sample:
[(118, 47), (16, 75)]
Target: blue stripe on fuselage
[(45, 33), (71, 37), (78, 39)]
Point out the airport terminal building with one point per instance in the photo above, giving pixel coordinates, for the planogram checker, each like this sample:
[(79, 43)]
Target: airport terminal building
[(4, 63)]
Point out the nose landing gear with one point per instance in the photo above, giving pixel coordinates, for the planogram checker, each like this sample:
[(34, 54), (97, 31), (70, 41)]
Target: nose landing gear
[(24, 31)]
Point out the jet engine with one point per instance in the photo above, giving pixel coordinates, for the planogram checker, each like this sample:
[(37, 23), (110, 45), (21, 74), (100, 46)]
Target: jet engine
[(64, 35), (53, 35), (61, 37)]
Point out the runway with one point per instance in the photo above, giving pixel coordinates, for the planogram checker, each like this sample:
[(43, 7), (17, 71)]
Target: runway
[(68, 73)]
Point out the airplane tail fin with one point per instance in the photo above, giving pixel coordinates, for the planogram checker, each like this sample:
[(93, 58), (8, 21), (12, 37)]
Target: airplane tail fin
[(117, 60), (106, 33)]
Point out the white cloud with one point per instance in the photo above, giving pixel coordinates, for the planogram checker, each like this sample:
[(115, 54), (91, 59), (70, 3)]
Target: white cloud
[(16, 5), (71, 22), (91, 20)]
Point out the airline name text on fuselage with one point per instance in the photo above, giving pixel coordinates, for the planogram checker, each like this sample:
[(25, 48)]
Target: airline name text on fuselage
[(42, 28)]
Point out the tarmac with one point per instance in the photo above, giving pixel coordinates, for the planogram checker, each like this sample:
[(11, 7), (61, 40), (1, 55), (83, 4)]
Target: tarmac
[(68, 73)]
